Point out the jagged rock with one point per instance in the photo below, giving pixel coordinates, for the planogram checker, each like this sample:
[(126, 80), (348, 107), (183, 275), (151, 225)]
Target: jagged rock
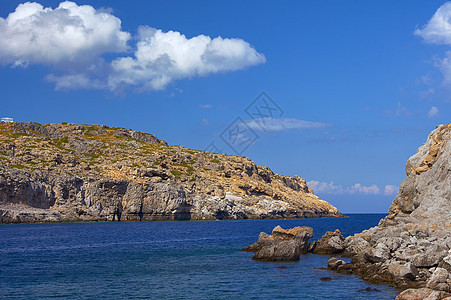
[(329, 243), (282, 245), (411, 247), (355, 245), (421, 294), (403, 271), (69, 172), (439, 280), (378, 254), (334, 263), (427, 260)]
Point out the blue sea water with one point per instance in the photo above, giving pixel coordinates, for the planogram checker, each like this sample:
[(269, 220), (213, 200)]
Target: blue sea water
[(169, 260)]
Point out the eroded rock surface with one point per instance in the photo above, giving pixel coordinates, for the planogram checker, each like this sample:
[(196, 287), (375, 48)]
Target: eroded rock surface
[(70, 172), (329, 243), (411, 247), (282, 245)]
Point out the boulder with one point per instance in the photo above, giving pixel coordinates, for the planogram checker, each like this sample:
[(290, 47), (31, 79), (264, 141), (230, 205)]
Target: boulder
[(355, 245), (378, 254), (282, 245), (334, 263), (401, 272), (421, 294), (329, 243), (427, 260), (439, 280)]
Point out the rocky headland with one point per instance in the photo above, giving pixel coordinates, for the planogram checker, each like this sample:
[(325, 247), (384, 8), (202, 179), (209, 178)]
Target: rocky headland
[(411, 247), (69, 172)]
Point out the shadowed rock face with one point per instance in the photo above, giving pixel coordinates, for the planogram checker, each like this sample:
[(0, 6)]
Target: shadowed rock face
[(70, 172), (282, 245), (411, 247)]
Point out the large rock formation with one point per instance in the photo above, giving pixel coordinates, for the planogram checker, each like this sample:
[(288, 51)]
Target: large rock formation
[(411, 247), (282, 245), (69, 172)]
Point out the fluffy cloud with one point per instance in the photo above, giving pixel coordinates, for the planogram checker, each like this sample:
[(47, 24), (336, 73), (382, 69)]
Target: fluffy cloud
[(331, 188), (390, 189), (162, 57), (438, 31), (433, 112), (72, 39), (68, 34), (282, 124)]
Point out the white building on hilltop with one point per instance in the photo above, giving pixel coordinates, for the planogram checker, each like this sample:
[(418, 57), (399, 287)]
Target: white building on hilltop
[(7, 119)]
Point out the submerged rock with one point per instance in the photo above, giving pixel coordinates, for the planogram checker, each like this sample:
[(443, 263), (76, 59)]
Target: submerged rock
[(326, 279), (282, 245), (369, 290)]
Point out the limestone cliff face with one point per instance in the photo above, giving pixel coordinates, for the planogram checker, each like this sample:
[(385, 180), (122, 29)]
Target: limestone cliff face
[(411, 247), (426, 192), (69, 172)]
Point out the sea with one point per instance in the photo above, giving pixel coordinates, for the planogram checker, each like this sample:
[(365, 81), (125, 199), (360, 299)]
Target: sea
[(170, 260)]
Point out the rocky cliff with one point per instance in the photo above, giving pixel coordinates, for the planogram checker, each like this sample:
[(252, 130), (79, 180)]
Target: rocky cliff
[(411, 247), (69, 172)]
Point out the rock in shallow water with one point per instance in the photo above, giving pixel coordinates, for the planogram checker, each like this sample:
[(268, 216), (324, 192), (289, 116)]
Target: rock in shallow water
[(334, 263), (330, 243), (282, 245)]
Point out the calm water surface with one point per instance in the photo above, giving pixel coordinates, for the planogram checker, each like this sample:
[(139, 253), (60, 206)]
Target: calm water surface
[(168, 260)]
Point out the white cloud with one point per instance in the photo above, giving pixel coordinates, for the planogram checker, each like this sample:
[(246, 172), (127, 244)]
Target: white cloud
[(162, 57), (72, 40), (332, 188), (438, 29), (205, 106), (69, 34), (390, 189), (282, 124), (433, 112)]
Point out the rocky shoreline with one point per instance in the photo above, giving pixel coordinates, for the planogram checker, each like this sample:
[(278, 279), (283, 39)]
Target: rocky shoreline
[(80, 173), (411, 247)]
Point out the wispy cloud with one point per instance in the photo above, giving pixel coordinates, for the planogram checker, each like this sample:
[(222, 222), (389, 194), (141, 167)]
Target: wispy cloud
[(205, 106), (282, 124), (427, 93), (390, 189), (433, 112), (400, 110), (332, 188), (72, 40)]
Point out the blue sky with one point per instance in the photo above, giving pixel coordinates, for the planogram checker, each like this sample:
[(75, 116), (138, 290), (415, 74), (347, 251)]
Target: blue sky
[(359, 84)]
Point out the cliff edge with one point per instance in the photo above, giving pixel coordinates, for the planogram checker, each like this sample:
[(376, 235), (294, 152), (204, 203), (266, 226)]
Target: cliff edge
[(411, 247), (69, 172)]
